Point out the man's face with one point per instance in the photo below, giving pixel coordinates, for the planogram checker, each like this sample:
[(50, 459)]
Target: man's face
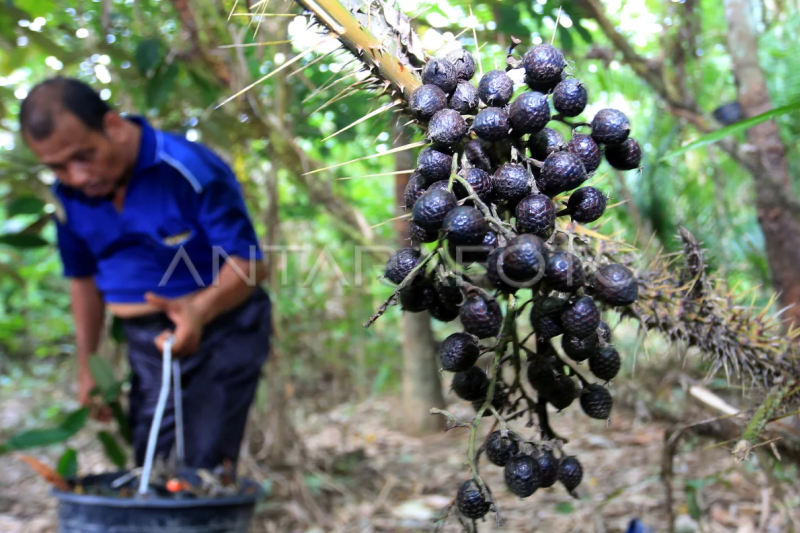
[(81, 158)]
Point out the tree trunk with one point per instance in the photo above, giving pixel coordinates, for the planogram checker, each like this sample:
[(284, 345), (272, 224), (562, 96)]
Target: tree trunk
[(422, 388), (771, 179)]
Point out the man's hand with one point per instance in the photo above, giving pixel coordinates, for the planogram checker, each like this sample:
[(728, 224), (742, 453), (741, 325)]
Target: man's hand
[(97, 410), (188, 324)]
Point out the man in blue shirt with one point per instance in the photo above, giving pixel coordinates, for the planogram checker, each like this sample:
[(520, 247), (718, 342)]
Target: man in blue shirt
[(155, 230)]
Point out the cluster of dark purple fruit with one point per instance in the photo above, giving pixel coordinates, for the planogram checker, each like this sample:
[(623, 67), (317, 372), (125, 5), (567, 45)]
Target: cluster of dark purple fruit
[(486, 191)]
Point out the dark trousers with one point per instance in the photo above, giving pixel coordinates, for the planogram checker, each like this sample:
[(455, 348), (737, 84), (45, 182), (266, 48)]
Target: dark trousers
[(218, 382)]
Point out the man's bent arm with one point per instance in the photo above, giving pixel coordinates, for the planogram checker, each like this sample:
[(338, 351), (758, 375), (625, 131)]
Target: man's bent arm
[(88, 311), (229, 289)]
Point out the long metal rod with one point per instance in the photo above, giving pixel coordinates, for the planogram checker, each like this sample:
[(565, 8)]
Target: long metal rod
[(144, 481), (178, 400)]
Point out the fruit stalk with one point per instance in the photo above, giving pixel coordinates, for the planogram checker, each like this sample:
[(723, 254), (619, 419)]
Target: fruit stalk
[(358, 38)]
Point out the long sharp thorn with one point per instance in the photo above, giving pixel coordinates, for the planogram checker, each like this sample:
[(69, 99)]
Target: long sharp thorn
[(409, 171), (235, 3), (307, 65), (477, 48), (348, 90), (258, 24), (558, 18), (289, 63), (327, 85), (362, 119), (248, 45), (264, 15), (410, 146), (390, 220)]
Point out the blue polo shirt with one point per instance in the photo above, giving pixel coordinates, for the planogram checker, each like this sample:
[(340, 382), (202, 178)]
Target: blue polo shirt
[(183, 216)]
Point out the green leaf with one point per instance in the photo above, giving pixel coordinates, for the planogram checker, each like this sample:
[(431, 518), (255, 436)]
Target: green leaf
[(159, 87), (691, 503), (68, 464), (102, 373), (113, 450), (148, 54), (111, 394), (564, 508), (26, 205), (733, 129), (585, 34), (75, 421), (123, 425), (23, 240), (37, 437), (116, 331)]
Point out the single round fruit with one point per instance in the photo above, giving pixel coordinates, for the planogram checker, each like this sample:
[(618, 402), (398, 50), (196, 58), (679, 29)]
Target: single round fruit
[(477, 153), (459, 351), (579, 348), (529, 113), (536, 214), (570, 473), (446, 128), (425, 101), (605, 363), (548, 468), (570, 98), (441, 73), (580, 317), (491, 124), (610, 127), (544, 143), (495, 88), (434, 165), (465, 225), (561, 393), (587, 150), (541, 374), (471, 501), (463, 63), (431, 208), (479, 180), (561, 171), (545, 88), (525, 259), (440, 185), (464, 98), (596, 401), (471, 385), (522, 475), (442, 312), (495, 272), (604, 332), (625, 156), (586, 205), (500, 449), (401, 263), (616, 285), (417, 296), (481, 316), (543, 64), (418, 233), (414, 189), (546, 318), (448, 291), (511, 183), (564, 272)]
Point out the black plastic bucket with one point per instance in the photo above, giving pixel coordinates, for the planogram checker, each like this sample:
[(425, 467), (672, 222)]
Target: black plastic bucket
[(80, 513)]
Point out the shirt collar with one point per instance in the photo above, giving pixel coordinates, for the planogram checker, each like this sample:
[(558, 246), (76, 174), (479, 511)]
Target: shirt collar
[(150, 145)]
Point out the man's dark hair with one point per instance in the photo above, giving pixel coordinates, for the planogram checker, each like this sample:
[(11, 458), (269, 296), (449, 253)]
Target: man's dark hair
[(55, 95)]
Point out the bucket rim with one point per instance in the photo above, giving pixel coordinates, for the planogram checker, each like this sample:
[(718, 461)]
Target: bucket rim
[(238, 500)]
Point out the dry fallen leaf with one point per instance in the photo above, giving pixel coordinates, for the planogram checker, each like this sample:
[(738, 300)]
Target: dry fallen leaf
[(49, 475)]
